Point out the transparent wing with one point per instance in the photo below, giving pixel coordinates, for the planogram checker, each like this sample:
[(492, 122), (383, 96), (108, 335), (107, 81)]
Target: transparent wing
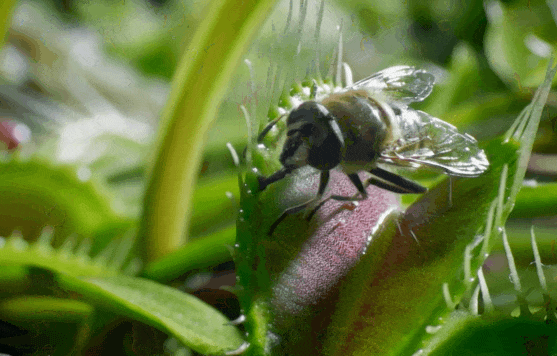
[(427, 140), (402, 84)]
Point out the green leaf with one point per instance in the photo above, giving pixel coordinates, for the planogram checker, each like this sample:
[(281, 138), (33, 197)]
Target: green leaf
[(201, 252), (6, 9), (519, 40), (71, 258), (496, 334), (537, 200), (190, 320), (212, 208), (36, 193), (462, 84), (199, 84), (33, 309), (489, 114)]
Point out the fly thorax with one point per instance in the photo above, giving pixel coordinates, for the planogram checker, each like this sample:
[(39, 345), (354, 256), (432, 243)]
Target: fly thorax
[(388, 116), (366, 130)]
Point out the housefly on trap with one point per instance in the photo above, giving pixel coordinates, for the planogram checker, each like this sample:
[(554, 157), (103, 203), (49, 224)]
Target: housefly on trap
[(368, 124)]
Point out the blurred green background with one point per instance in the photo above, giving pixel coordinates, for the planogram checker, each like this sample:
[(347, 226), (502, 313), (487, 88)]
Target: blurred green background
[(84, 83)]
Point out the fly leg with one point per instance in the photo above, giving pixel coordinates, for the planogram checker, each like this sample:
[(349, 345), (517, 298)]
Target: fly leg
[(383, 179), (394, 183), (265, 131), (268, 128), (278, 175), (323, 181), (361, 195)]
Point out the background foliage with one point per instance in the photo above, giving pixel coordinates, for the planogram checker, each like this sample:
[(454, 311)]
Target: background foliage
[(119, 227)]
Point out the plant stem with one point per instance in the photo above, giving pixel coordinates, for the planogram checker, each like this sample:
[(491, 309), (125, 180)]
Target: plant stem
[(200, 82)]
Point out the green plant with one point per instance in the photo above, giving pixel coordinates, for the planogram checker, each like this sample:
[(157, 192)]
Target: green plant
[(125, 230)]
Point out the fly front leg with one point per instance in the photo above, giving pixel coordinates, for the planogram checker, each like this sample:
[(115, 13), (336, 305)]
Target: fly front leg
[(323, 181), (382, 179), (268, 128), (278, 175)]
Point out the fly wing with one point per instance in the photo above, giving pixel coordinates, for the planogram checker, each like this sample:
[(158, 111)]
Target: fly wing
[(427, 140), (402, 84)]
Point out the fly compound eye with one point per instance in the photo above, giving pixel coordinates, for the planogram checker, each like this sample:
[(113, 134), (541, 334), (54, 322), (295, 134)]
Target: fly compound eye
[(307, 130), (303, 131)]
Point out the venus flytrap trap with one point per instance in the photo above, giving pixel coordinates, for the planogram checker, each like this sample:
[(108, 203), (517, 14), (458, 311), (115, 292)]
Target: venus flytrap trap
[(289, 281), (28, 267), (418, 275), (48, 193), (266, 265), (295, 268)]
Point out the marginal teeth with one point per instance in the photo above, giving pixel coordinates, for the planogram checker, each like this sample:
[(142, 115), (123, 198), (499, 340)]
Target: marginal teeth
[(240, 350), (239, 320)]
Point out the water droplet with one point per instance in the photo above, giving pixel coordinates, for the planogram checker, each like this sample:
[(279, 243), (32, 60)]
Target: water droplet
[(240, 350), (432, 329), (83, 174), (238, 321), (530, 183)]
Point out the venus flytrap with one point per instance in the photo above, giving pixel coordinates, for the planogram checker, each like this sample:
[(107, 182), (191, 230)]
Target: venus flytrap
[(290, 278), (379, 323), (528, 329), (286, 276)]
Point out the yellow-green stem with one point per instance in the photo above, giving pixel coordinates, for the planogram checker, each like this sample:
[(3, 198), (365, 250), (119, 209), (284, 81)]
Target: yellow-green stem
[(6, 10), (199, 84)]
